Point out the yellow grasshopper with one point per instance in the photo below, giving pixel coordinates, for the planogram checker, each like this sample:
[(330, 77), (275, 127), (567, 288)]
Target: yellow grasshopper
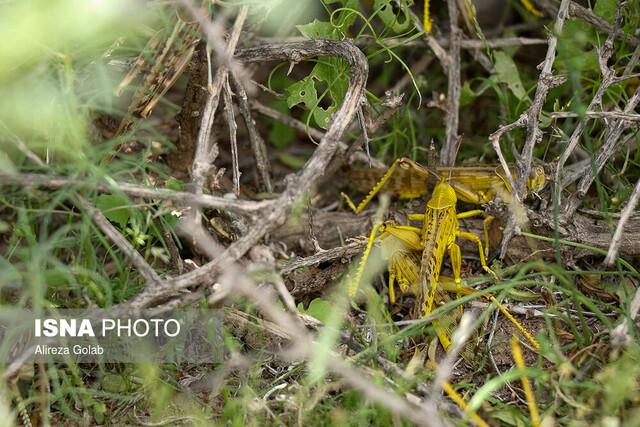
[(404, 268), (473, 184), (438, 234), (401, 247)]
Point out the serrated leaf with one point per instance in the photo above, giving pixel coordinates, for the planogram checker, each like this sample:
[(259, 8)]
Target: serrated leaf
[(334, 72), (303, 92), (330, 71), (346, 18), (114, 208), (399, 22), (319, 30)]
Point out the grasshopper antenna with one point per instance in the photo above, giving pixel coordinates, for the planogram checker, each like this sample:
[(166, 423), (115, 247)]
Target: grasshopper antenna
[(455, 155)]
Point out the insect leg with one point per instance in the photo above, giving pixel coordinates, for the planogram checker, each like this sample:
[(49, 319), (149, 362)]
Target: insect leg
[(403, 236), (456, 264), (485, 224), (476, 239), (353, 286), (373, 191), (448, 284)]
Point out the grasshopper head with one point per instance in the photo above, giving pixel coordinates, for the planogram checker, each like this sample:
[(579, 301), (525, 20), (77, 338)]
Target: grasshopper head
[(536, 179)]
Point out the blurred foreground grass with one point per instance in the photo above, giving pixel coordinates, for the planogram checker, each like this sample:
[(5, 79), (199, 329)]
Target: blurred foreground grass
[(59, 66)]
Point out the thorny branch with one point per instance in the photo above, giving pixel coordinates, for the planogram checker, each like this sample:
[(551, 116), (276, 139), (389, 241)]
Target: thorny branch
[(615, 128), (531, 120), (312, 172), (313, 132)]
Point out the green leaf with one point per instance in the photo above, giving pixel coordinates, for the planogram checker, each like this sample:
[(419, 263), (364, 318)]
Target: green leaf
[(347, 17), (576, 48), (114, 384), (294, 162), (320, 309), (468, 95), (114, 208), (6, 165), (174, 184), (606, 9), (319, 30), (506, 71), (280, 135), (303, 92), (399, 22), (328, 72), (507, 416), (56, 277)]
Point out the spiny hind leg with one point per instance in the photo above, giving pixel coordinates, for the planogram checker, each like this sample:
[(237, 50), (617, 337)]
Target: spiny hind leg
[(355, 282), (448, 284), (456, 265), (373, 191), (476, 240), (485, 224)]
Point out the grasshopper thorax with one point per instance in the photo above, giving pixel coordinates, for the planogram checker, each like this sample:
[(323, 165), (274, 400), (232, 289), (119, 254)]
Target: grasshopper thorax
[(443, 195)]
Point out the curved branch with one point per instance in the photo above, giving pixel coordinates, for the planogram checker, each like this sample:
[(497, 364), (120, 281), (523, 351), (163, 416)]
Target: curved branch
[(297, 184)]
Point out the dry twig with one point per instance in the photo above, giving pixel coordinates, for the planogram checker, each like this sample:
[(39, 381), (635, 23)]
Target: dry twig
[(258, 146), (529, 119), (276, 213), (183, 198), (624, 218)]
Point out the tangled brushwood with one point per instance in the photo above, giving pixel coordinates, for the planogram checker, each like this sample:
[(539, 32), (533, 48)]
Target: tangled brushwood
[(204, 155)]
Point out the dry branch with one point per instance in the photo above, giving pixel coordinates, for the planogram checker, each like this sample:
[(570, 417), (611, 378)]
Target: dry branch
[(624, 219), (204, 154), (146, 271), (297, 185), (452, 103), (584, 230), (531, 120), (258, 146), (183, 198)]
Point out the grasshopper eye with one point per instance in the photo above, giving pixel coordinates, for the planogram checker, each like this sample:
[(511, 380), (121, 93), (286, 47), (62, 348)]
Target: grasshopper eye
[(533, 172), (404, 164)]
